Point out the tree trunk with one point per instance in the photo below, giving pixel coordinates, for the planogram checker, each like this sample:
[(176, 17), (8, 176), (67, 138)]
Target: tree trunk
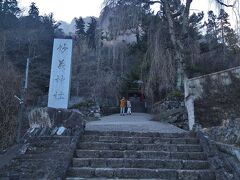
[(177, 44)]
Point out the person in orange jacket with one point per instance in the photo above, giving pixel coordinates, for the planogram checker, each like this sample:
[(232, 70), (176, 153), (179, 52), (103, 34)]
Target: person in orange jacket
[(122, 106)]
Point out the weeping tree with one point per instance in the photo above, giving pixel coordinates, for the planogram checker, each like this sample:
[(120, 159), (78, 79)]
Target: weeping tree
[(172, 11), (126, 17), (177, 15), (113, 64)]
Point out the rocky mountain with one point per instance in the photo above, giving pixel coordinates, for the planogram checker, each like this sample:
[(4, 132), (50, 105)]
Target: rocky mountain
[(70, 28), (127, 37)]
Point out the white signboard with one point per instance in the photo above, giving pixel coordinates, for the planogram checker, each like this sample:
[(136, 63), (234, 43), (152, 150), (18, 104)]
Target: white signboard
[(59, 88)]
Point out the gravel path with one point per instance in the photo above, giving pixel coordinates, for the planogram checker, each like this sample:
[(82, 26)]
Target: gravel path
[(137, 122)]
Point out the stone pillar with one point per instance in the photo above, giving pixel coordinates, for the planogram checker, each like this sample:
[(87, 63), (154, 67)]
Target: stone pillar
[(189, 104), (59, 88)]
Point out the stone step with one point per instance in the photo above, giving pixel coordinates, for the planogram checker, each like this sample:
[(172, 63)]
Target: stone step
[(139, 163), (50, 140), (55, 137), (140, 134), (41, 156), (147, 147), (40, 150), (140, 154), (50, 144), (16, 176), (77, 178), (139, 140), (172, 174)]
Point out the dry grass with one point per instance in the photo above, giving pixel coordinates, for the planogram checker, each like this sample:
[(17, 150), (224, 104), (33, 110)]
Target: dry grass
[(39, 118), (9, 86)]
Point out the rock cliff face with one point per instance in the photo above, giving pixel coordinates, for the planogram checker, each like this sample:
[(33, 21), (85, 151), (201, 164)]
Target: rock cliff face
[(127, 37), (103, 24), (70, 28)]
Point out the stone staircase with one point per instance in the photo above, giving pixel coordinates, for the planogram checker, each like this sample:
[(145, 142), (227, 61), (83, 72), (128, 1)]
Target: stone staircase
[(45, 157), (128, 155)]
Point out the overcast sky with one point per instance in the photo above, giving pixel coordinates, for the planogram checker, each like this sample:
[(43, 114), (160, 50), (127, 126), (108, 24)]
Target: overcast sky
[(66, 10)]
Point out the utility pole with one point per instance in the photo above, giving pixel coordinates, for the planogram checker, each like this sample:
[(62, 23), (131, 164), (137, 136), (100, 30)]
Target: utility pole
[(22, 99), (26, 74)]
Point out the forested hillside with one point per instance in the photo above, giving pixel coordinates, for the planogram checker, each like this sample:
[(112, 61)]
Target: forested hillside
[(23, 37), (132, 43), (127, 43)]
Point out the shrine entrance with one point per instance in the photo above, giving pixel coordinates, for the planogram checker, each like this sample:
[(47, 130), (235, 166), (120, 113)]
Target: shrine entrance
[(136, 95)]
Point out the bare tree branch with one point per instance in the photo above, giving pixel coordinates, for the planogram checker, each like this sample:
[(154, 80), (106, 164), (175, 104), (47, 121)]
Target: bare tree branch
[(153, 2), (224, 4)]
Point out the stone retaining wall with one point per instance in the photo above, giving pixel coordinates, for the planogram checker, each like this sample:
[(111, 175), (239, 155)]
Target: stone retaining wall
[(47, 148), (194, 88), (223, 158)]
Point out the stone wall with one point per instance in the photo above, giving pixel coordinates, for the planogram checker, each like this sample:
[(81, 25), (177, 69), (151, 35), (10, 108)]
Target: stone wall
[(224, 159), (194, 88), (171, 110), (46, 150)]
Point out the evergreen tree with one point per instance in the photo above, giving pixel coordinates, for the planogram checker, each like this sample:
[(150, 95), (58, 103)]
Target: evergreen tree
[(223, 25), (212, 31), (232, 40), (211, 26), (195, 21), (91, 33), (33, 11), (10, 7), (218, 28), (1, 6), (228, 37), (80, 27), (10, 12), (50, 23), (1, 13)]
